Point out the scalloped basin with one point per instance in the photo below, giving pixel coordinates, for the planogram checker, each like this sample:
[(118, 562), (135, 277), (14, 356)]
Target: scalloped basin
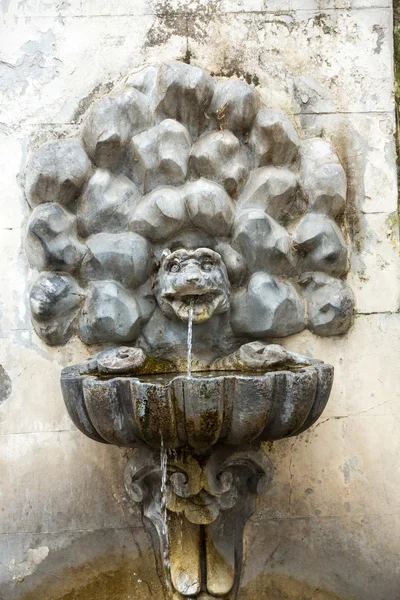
[(230, 407)]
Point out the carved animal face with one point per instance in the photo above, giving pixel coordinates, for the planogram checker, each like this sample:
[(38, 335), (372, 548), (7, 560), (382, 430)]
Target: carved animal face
[(192, 277)]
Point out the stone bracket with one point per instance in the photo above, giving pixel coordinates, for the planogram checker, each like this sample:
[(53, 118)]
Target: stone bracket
[(196, 508)]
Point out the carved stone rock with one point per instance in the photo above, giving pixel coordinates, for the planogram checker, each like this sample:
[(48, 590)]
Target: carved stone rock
[(160, 214), (267, 308), (219, 156), (260, 356), (272, 190), (109, 313), (323, 177), (56, 172), (329, 304), (55, 299), (124, 359), (209, 207), (144, 80), (160, 155), (123, 257), (183, 93), (51, 239), (110, 125), (320, 243), (263, 243), (106, 204), (234, 106), (273, 139)]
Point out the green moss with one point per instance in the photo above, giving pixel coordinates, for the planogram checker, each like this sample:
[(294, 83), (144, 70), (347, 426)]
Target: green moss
[(153, 366)]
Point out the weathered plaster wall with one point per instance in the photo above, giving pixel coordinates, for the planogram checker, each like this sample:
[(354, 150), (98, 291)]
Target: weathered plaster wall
[(330, 525)]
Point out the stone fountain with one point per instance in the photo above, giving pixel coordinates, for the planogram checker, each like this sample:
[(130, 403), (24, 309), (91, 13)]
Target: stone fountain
[(187, 230)]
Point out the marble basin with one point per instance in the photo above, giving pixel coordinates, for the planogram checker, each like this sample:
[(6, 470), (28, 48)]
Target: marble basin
[(229, 407)]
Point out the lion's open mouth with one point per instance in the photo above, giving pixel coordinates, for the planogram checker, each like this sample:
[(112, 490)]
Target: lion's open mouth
[(200, 298), (203, 303)]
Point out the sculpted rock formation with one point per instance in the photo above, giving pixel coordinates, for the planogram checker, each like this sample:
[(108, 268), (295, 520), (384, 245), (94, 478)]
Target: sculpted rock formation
[(273, 139), (56, 173), (173, 159), (106, 204)]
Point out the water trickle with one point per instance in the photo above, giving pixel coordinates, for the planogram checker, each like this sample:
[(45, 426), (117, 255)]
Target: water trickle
[(164, 515), (189, 340)]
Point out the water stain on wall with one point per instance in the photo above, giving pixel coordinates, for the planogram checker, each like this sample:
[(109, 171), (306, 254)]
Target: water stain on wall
[(137, 579), (283, 587), (111, 577)]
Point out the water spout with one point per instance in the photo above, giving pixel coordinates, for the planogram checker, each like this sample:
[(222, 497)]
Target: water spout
[(189, 341)]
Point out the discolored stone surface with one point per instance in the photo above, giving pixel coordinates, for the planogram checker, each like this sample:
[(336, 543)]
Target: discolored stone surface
[(51, 239), (323, 177), (160, 155), (55, 299), (272, 190), (110, 125), (266, 308), (110, 313), (123, 257), (106, 204), (329, 304), (263, 243), (273, 139), (320, 243), (218, 156), (56, 172)]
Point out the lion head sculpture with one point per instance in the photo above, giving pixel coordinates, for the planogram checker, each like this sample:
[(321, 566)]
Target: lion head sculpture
[(192, 278)]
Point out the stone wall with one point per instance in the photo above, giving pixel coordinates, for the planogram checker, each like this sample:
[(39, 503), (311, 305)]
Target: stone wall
[(329, 527)]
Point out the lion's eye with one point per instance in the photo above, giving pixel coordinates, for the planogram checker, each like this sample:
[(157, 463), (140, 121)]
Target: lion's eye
[(174, 268), (207, 266)]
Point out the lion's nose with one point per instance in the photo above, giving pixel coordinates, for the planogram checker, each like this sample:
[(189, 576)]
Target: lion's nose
[(193, 276)]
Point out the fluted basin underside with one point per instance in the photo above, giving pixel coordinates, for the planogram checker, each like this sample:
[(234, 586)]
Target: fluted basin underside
[(230, 407)]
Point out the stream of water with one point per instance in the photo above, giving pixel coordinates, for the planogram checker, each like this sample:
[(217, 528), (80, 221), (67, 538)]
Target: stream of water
[(189, 341), (164, 515), (164, 459)]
